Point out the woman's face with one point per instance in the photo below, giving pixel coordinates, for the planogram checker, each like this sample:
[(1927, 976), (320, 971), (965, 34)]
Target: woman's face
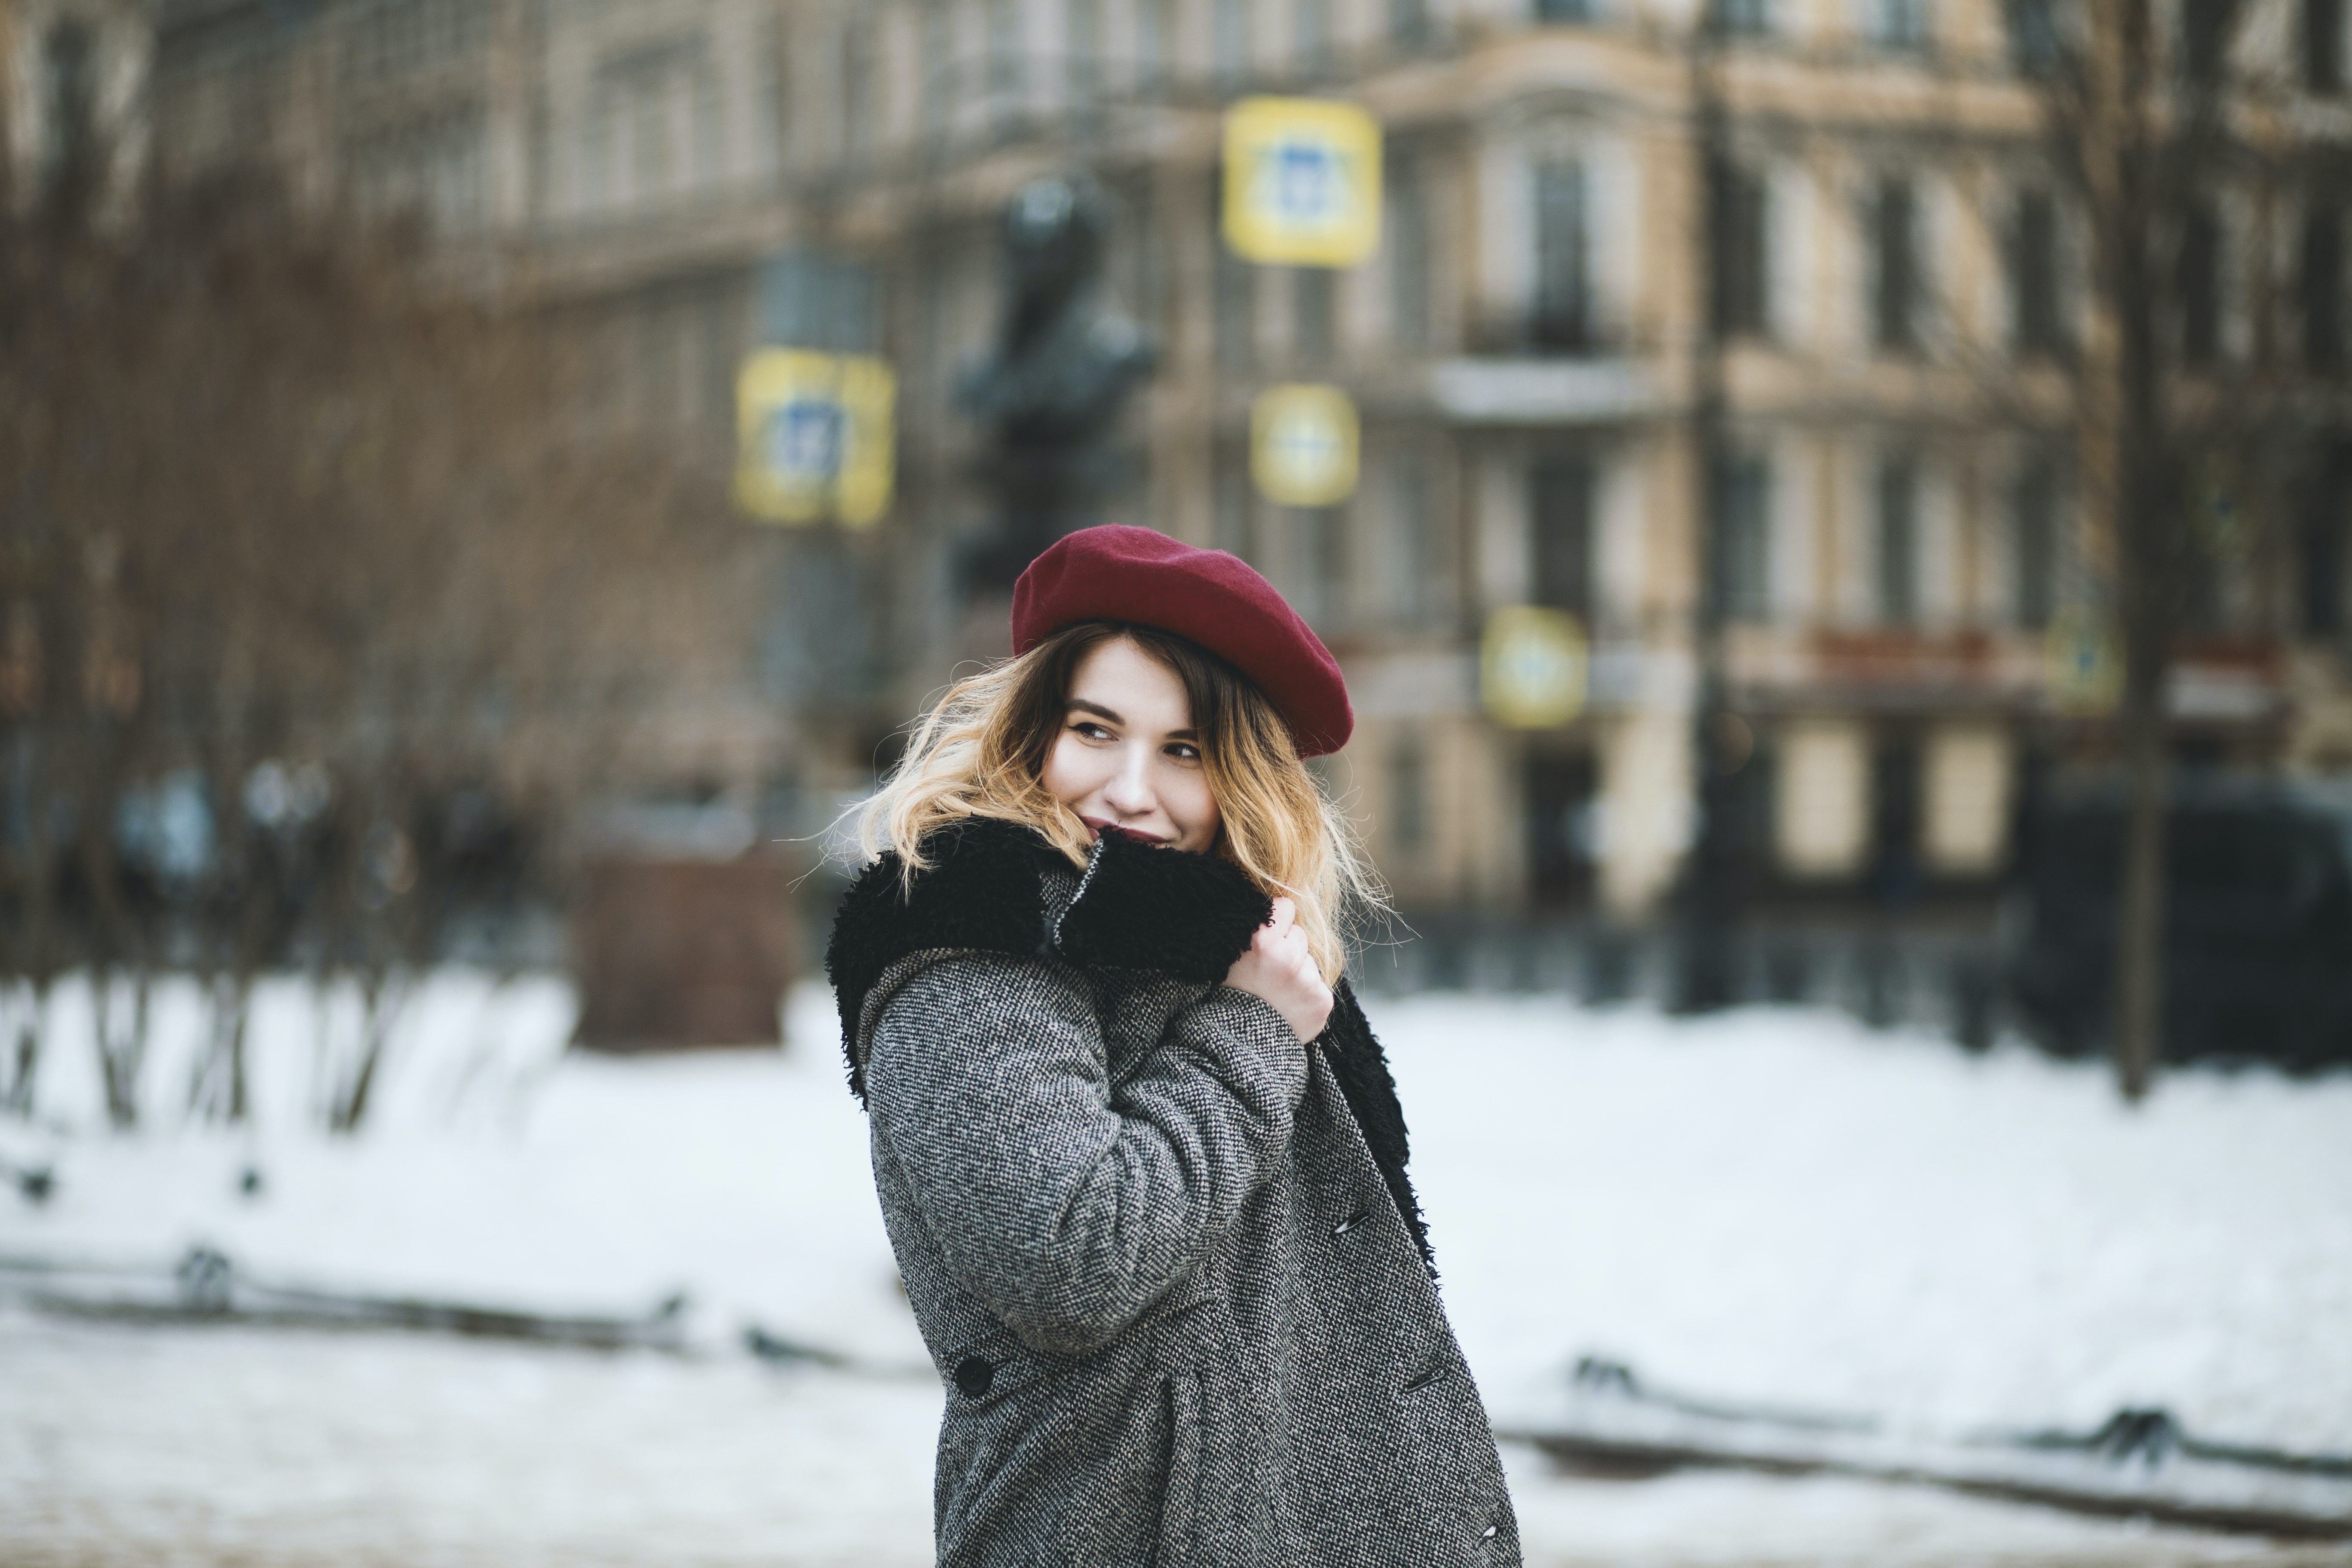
[(1127, 757)]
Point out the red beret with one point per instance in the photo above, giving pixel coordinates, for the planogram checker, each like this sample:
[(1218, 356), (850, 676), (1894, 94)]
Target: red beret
[(1207, 596)]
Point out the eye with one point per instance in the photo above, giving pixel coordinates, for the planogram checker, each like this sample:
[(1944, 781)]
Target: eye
[(1087, 728), (1184, 750)]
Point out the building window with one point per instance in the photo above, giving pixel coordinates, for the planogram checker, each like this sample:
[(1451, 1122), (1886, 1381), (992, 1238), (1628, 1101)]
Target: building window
[(2323, 46), (1740, 584), (1311, 37), (433, 167), (70, 104), (1147, 282), (1155, 41), (1742, 18), (2033, 275), (1408, 262), (1902, 24), (2324, 560), (776, 95), (942, 86), (1559, 508), (400, 37), (1738, 231), (707, 114), (1562, 316), (595, 172), (1316, 571), (655, 116), (1408, 797), (664, 380), (2321, 286), (1558, 790), (718, 327), (2198, 283), (659, 130), (2034, 544), (1006, 61), (858, 90), (931, 298), (1554, 12), (539, 192), (1895, 255), (2206, 27), (1229, 43), (2035, 46), (1898, 542), (1234, 505), (1082, 48), (1234, 323), (1895, 797), (1408, 23), (1314, 313), (1408, 556), (817, 302)]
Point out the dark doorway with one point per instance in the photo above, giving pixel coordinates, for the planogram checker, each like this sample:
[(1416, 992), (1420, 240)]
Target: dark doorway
[(2323, 552), (1561, 504), (1894, 792), (1560, 811)]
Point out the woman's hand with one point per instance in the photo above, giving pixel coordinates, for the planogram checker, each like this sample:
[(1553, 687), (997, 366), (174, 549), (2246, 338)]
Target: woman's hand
[(1279, 970)]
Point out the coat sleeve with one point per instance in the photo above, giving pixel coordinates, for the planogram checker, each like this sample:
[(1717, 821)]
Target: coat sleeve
[(1067, 1209)]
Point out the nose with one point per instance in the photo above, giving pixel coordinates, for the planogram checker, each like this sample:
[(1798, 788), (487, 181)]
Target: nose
[(1128, 792)]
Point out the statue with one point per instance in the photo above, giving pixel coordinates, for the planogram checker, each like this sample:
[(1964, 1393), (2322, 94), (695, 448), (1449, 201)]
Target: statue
[(1066, 358)]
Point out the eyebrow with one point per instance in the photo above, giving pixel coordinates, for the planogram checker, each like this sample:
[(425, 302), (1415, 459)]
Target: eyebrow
[(1080, 705)]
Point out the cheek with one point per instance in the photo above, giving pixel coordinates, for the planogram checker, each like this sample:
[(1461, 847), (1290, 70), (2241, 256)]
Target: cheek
[(1067, 777), (1193, 806)]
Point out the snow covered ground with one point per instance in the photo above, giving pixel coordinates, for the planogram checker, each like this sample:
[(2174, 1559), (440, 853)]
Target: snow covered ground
[(1769, 1205)]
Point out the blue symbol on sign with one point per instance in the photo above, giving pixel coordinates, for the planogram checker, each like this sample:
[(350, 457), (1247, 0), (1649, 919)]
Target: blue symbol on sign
[(1306, 445), (1307, 186), (803, 440)]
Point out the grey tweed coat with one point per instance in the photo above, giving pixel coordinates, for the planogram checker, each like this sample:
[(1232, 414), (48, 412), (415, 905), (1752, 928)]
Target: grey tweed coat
[(1165, 1258)]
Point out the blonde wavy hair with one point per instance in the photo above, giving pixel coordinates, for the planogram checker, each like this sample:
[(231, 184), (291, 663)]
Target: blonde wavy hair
[(982, 749)]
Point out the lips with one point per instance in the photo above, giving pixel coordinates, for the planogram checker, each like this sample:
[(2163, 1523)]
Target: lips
[(1102, 827)]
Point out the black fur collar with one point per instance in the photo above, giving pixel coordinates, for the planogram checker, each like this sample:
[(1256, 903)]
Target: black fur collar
[(1136, 907)]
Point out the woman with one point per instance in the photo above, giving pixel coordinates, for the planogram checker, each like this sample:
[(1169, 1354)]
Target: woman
[(1164, 1254)]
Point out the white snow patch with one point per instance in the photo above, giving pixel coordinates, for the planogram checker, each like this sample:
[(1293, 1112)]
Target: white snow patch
[(1783, 1206), (1775, 1206)]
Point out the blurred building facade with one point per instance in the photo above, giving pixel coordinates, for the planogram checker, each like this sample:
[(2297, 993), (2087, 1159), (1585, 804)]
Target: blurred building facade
[(1847, 437), (73, 94)]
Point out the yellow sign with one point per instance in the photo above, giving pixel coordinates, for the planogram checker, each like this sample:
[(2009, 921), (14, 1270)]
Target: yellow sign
[(1302, 182), (1533, 667), (814, 437), (2083, 663), (1303, 445)]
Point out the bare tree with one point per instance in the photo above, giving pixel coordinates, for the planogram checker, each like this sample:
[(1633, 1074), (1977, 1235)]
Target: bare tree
[(2156, 131), (295, 536)]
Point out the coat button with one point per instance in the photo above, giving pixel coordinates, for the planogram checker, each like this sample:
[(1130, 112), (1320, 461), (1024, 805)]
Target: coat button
[(975, 1376)]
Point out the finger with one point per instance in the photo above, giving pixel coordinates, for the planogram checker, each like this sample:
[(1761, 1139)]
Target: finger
[(1285, 914)]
